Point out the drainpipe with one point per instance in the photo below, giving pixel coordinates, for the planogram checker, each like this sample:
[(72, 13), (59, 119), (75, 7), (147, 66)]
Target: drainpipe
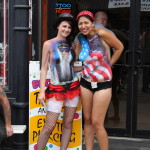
[(20, 43)]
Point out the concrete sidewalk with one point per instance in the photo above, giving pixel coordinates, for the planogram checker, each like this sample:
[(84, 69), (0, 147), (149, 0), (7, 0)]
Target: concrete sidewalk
[(125, 144)]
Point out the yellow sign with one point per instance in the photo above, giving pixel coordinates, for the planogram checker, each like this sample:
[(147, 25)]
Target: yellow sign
[(37, 115)]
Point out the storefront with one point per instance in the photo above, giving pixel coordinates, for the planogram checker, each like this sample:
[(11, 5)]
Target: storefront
[(128, 114), (131, 18)]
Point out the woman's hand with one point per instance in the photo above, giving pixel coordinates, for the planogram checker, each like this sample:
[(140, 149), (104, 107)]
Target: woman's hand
[(9, 130), (41, 97)]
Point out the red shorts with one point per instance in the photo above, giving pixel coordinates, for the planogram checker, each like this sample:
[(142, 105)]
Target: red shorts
[(62, 92)]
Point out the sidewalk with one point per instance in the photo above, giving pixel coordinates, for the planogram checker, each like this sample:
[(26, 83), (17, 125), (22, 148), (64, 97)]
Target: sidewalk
[(125, 144)]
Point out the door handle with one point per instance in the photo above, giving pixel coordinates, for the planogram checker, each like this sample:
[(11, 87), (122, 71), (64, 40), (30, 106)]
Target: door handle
[(125, 58), (139, 59)]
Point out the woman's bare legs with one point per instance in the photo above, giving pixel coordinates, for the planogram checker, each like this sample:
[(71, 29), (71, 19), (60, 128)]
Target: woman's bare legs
[(101, 102), (50, 122), (67, 126), (87, 103)]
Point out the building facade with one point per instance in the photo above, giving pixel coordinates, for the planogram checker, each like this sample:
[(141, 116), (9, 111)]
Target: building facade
[(26, 24)]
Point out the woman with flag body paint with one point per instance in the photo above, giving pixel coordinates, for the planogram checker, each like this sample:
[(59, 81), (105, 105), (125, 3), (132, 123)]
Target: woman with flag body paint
[(96, 76), (64, 84)]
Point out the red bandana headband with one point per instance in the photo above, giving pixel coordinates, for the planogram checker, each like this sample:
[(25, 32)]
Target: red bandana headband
[(85, 12)]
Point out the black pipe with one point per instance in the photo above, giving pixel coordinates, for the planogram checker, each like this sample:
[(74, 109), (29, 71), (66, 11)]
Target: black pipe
[(20, 47)]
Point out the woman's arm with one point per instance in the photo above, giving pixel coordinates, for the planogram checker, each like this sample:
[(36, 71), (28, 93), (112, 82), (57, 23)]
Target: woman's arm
[(113, 42), (77, 49), (7, 111), (44, 68)]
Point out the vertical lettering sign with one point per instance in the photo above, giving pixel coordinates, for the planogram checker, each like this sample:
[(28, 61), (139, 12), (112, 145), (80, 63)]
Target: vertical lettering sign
[(37, 116), (30, 17), (118, 3), (63, 8), (3, 42)]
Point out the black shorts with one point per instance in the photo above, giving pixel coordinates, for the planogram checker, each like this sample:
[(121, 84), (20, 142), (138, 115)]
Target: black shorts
[(100, 85)]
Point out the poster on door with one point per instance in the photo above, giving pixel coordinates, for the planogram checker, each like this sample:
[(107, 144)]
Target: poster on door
[(37, 115), (118, 3), (145, 5)]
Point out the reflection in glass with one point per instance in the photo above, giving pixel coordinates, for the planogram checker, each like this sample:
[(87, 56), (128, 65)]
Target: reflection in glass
[(143, 121), (116, 115)]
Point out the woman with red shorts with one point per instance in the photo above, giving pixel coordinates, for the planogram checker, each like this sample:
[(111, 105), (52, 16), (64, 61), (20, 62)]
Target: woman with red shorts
[(64, 84)]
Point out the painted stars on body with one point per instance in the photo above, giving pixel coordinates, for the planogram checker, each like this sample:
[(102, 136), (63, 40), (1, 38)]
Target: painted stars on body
[(85, 49)]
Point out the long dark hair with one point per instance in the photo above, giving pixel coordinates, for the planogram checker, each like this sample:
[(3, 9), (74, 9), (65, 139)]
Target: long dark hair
[(70, 37)]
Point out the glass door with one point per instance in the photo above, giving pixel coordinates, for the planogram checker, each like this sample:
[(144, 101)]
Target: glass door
[(118, 20), (133, 80), (143, 77)]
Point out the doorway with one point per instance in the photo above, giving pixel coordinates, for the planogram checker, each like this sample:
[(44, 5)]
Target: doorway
[(128, 113)]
